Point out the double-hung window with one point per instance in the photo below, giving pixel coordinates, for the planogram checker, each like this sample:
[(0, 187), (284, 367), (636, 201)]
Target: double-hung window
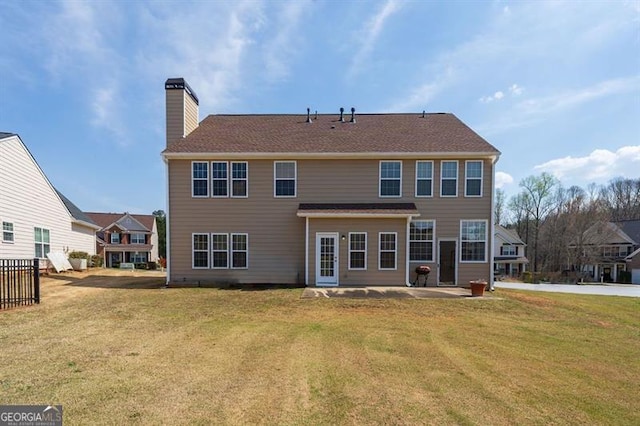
[(473, 238), (199, 179), (390, 179), (473, 179), (421, 240), (239, 251), (137, 238), (387, 250), (424, 178), (7, 232), (509, 250), (449, 179), (358, 250), (284, 177), (42, 242), (219, 251), (219, 179), (239, 179), (115, 238), (200, 251)]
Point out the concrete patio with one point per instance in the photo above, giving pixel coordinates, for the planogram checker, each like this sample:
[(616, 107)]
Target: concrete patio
[(391, 293)]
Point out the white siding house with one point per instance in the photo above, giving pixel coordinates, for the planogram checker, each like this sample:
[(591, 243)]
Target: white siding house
[(34, 217)]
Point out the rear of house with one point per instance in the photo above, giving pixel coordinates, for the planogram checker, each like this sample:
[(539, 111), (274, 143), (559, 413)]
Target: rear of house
[(325, 199)]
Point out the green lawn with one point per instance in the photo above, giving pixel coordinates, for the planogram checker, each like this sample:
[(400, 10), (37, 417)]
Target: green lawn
[(130, 354)]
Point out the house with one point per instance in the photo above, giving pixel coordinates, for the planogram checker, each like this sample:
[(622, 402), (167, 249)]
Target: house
[(339, 199), (126, 238), (509, 252), (607, 249), (36, 218)]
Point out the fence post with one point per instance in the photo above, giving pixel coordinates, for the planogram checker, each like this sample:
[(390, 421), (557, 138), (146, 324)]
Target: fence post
[(36, 280)]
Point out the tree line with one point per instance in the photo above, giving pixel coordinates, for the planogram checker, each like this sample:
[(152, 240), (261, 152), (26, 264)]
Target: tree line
[(552, 219)]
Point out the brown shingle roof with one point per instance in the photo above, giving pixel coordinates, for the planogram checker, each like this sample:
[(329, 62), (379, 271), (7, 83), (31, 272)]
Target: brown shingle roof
[(105, 219), (383, 133), (358, 208)]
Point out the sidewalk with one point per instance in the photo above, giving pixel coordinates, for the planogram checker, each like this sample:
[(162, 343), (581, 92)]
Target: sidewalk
[(601, 290)]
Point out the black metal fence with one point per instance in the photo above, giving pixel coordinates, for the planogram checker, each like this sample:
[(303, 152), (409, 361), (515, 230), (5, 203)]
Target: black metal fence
[(19, 282)]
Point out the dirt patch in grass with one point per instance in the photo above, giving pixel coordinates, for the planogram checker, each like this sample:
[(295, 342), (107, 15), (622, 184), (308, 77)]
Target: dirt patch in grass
[(117, 347)]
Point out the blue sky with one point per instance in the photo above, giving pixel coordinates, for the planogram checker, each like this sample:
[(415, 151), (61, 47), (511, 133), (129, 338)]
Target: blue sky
[(555, 86)]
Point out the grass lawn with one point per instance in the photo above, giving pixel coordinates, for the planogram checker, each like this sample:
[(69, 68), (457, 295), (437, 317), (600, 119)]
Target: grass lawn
[(116, 350)]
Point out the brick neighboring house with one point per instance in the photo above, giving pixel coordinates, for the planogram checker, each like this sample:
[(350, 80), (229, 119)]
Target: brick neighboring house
[(339, 199), (509, 252), (124, 237)]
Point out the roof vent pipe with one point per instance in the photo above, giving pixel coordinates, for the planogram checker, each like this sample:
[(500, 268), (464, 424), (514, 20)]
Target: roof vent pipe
[(316, 114), (423, 111), (353, 115), (309, 115), (341, 115)]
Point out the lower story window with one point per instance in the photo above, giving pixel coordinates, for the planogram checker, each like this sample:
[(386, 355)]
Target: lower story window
[(219, 250), (42, 242), (357, 250), (139, 257), (387, 250), (421, 240), (239, 250), (200, 250), (473, 237)]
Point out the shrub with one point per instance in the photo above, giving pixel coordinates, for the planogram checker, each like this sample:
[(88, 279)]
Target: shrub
[(78, 255), (526, 277), (140, 265), (96, 261), (624, 277)]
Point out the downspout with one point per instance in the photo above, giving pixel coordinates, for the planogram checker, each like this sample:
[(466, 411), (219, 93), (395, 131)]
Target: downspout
[(167, 234), (492, 227), (306, 252), (406, 253)]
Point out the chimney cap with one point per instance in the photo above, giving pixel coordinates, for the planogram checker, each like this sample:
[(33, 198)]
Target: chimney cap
[(181, 84)]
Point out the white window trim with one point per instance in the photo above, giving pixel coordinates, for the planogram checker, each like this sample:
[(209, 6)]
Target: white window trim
[(442, 178), (232, 251), (231, 179), (137, 233), (12, 232), (433, 241), (432, 172), (466, 177), (207, 179), (395, 251), (486, 241), (212, 251), (111, 238), (212, 179), (42, 243), (193, 258), (295, 180), (358, 251), (515, 250), (380, 179)]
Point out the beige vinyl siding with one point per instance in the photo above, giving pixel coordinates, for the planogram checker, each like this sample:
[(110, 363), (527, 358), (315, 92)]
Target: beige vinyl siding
[(28, 201), (175, 114), (277, 235), (190, 114)]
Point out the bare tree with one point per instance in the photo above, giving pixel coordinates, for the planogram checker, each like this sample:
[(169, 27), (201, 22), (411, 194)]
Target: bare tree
[(499, 207), (622, 198)]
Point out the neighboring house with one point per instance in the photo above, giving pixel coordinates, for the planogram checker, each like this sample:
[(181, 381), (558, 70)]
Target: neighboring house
[(325, 199), (509, 252), (34, 216), (607, 248), (124, 237)]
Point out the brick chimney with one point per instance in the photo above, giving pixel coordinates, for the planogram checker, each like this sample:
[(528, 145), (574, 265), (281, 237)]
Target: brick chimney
[(182, 109)]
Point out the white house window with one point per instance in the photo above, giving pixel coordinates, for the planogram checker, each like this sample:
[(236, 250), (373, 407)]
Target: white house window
[(509, 251), (7, 232), (220, 251), (421, 240), (42, 242), (115, 238), (139, 257), (390, 178), (387, 250), (473, 237), (358, 250), (284, 175), (200, 251), (199, 179), (239, 251), (449, 179), (239, 179), (424, 178), (473, 182), (219, 179), (137, 238)]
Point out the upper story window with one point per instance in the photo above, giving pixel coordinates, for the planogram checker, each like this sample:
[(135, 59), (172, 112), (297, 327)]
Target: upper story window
[(199, 179), (449, 179), (509, 250), (473, 176), (473, 238), (115, 238), (7, 232), (424, 178), (390, 178), (219, 179), (42, 242), (284, 176), (239, 179), (137, 238), (421, 240), (358, 250)]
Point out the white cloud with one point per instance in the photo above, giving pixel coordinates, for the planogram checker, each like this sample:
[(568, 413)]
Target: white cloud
[(495, 97), (599, 166), (503, 179), (515, 90), (420, 96), (369, 34)]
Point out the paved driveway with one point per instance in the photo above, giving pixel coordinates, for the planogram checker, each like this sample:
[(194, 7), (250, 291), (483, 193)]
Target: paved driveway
[(602, 290)]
